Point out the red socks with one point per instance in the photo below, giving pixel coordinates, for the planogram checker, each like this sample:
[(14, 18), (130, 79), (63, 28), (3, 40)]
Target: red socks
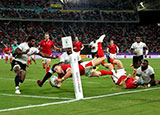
[(34, 60), (100, 51), (28, 62), (48, 68), (103, 72), (6, 60), (10, 60)]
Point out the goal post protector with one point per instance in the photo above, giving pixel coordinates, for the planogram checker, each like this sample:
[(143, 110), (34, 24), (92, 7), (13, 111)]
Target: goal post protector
[(67, 43)]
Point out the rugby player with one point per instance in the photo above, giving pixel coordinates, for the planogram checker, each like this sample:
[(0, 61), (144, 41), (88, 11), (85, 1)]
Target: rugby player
[(47, 46)]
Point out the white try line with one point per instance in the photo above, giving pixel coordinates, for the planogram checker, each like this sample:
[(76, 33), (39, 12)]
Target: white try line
[(87, 98), (33, 96)]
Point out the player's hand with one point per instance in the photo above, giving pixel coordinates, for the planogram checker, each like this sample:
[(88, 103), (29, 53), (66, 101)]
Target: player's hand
[(134, 71), (59, 81), (60, 49)]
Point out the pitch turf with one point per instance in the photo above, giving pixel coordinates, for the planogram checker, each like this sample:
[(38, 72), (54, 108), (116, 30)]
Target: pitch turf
[(139, 103)]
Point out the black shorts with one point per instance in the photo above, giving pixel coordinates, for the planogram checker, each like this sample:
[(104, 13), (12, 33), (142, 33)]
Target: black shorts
[(23, 66), (94, 54), (108, 57), (137, 58)]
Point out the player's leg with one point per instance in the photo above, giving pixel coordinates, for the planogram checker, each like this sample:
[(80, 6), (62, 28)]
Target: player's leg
[(29, 61), (11, 57), (33, 60), (22, 75), (6, 58), (98, 61), (118, 63), (48, 65), (16, 69), (20, 70), (47, 76), (100, 73), (44, 62)]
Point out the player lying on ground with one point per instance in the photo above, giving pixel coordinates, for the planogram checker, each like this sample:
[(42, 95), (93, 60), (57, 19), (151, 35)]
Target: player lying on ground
[(22, 52), (147, 73), (64, 59), (120, 78)]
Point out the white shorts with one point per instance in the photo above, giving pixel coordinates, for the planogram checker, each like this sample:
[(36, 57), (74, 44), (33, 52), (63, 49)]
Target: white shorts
[(32, 56), (112, 56), (45, 60), (89, 69), (6, 55), (10, 54), (120, 72)]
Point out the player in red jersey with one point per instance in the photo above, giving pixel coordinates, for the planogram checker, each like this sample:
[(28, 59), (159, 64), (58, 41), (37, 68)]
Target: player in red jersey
[(120, 78), (77, 45), (85, 68), (112, 49), (47, 46), (6, 53)]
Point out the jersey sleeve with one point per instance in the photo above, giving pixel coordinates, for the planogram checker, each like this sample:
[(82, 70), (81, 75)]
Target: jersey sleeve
[(144, 45), (21, 46), (40, 44), (52, 44), (36, 51), (65, 67), (62, 58), (139, 71), (81, 44), (151, 71), (133, 47)]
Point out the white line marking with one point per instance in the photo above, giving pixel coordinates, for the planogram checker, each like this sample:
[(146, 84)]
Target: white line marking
[(121, 93), (41, 105), (34, 96), (87, 98), (67, 81)]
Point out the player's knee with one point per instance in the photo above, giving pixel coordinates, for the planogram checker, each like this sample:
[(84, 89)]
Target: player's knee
[(111, 60), (16, 68)]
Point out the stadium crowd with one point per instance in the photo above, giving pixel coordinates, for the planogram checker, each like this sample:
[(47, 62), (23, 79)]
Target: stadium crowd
[(123, 34), (89, 15)]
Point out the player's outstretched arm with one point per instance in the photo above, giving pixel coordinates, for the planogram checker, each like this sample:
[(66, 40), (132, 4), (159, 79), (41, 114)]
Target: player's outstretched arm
[(57, 49), (82, 47), (45, 55), (66, 76)]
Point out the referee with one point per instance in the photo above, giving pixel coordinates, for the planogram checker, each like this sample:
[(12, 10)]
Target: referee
[(137, 49)]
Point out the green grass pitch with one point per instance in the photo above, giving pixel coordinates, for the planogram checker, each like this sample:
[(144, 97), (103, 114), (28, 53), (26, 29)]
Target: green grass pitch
[(138, 103)]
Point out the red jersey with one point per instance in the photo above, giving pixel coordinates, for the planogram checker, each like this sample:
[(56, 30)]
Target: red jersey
[(46, 46), (112, 48), (10, 49), (6, 50), (65, 68), (77, 45), (129, 82)]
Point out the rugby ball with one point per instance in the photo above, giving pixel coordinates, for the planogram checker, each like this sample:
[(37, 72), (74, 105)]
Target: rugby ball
[(52, 81)]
